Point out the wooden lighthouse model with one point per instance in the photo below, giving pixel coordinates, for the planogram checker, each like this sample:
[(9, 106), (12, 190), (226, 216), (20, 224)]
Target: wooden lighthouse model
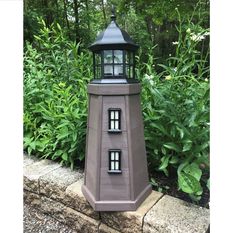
[(116, 175)]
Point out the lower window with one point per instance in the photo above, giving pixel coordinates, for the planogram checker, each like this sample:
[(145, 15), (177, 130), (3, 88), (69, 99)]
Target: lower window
[(114, 161)]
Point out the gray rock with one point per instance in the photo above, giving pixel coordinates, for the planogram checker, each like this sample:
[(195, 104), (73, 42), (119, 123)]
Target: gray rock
[(77, 201), (130, 221), (29, 160), (54, 183), (172, 215), (34, 171), (105, 229)]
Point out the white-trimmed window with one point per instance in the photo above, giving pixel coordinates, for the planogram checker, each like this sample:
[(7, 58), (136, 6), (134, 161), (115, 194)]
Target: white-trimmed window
[(114, 120), (114, 161)]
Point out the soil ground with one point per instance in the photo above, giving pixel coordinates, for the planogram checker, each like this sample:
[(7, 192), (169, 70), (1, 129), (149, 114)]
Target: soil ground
[(37, 222), (168, 185)]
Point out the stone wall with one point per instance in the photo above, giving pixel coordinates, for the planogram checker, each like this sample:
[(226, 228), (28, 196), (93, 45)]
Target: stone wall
[(56, 191)]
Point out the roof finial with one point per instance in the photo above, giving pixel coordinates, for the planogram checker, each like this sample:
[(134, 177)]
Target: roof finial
[(113, 16)]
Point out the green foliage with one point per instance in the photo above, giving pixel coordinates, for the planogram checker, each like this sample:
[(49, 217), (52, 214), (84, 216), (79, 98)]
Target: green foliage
[(175, 106), (55, 99)]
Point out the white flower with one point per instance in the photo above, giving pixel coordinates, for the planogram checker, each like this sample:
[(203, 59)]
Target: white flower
[(149, 78), (151, 82), (206, 34), (196, 37), (175, 42)]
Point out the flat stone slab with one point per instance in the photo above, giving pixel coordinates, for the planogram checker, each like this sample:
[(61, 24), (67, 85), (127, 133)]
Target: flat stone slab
[(172, 215), (27, 160), (54, 183), (75, 198), (34, 171), (105, 229), (56, 191), (130, 221)]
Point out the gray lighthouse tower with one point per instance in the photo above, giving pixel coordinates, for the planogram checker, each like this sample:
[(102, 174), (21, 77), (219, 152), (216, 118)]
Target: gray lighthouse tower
[(116, 175)]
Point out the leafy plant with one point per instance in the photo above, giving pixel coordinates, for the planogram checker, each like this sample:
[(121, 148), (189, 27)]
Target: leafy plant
[(175, 106), (55, 99)]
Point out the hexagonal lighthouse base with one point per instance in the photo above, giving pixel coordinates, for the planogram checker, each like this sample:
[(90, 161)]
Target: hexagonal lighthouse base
[(123, 191)]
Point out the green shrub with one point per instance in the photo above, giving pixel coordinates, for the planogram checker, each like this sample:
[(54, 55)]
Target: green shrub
[(55, 96), (176, 112)]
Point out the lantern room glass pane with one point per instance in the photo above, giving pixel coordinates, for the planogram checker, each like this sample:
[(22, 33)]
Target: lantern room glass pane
[(97, 59), (98, 71), (130, 54), (127, 71), (108, 56), (126, 57), (118, 70), (131, 71), (108, 70), (129, 57), (118, 56)]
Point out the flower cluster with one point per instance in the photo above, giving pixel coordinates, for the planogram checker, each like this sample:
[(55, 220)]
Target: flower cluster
[(149, 78), (196, 37)]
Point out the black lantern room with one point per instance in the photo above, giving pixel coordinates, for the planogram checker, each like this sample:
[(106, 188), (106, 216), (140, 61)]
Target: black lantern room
[(113, 55)]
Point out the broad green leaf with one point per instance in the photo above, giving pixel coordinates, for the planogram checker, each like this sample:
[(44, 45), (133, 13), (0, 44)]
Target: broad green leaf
[(59, 152), (181, 131), (187, 146), (163, 150), (65, 156), (58, 26), (155, 151), (189, 184), (33, 145), (194, 170), (165, 161), (159, 127), (74, 136), (208, 184), (153, 182), (172, 146), (174, 160)]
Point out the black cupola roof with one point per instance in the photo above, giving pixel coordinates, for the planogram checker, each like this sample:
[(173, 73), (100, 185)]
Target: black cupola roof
[(113, 38)]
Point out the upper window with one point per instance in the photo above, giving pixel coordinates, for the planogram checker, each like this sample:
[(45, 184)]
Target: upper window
[(114, 120)]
